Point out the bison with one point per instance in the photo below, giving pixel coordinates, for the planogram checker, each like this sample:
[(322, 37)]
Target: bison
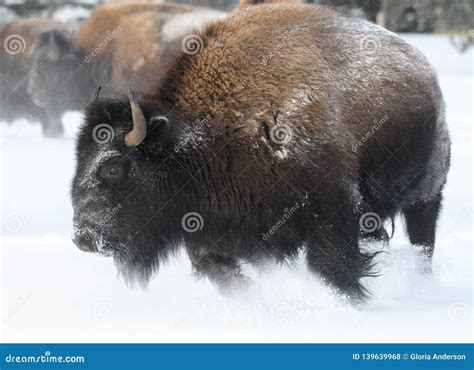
[(20, 55), (293, 129), (118, 44)]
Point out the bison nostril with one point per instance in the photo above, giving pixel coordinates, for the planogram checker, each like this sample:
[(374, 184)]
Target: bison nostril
[(82, 239)]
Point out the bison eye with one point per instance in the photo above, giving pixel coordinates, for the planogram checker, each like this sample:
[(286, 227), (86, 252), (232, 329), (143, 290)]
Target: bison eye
[(115, 170)]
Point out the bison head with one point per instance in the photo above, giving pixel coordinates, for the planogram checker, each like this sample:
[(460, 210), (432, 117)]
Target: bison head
[(57, 76), (124, 186)]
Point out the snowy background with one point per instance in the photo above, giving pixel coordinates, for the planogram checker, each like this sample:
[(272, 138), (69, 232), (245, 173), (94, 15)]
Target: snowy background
[(52, 292)]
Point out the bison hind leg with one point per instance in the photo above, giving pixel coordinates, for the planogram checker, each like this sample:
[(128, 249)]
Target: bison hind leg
[(342, 265), (421, 218)]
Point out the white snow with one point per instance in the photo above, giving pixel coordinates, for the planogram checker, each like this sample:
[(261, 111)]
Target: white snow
[(52, 292), (181, 24)]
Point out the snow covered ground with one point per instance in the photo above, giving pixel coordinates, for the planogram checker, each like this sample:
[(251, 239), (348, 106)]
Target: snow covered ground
[(52, 292)]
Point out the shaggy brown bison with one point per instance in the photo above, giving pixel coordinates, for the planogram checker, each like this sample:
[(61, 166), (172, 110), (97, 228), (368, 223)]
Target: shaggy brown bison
[(21, 42), (131, 43), (294, 128), (119, 44)]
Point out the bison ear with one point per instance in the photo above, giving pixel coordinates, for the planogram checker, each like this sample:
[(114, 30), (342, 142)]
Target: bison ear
[(159, 138)]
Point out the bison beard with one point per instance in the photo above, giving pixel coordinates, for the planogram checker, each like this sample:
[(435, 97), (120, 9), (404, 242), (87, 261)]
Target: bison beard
[(285, 132)]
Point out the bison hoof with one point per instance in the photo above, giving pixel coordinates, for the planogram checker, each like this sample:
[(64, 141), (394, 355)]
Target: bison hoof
[(240, 286), (53, 133)]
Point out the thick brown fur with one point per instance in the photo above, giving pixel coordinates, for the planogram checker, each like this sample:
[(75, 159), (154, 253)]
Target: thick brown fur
[(364, 133), (137, 51)]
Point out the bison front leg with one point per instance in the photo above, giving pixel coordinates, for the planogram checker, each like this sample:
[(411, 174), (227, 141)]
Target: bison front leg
[(51, 123), (333, 253), (222, 271)]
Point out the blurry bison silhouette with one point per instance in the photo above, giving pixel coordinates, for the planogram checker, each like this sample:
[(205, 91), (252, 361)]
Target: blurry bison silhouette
[(291, 128), (62, 66), (24, 43)]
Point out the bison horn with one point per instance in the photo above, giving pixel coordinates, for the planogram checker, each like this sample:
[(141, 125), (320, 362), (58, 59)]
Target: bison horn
[(136, 136), (97, 93)]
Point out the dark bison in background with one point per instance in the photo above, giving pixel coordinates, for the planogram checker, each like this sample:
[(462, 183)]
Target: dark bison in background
[(293, 128), (118, 45), (22, 42)]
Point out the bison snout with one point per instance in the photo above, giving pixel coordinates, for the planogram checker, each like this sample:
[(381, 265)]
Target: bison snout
[(83, 240)]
